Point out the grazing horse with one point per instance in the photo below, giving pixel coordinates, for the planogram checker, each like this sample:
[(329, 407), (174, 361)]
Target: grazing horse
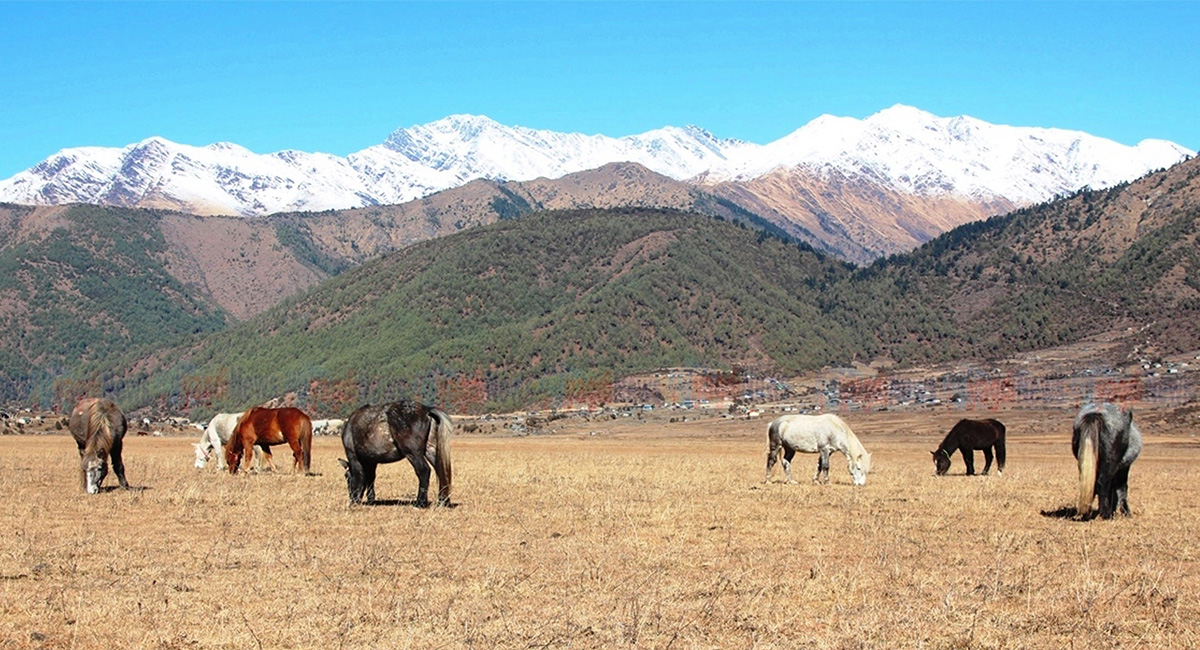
[(816, 434), (265, 427), (391, 432), (1105, 442), (328, 427), (967, 436), (99, 428), (215, 437)]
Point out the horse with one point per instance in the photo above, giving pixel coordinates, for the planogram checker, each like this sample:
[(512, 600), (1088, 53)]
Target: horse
[(390, 432), (816, 434), (214, 438), (99, 429), (967, 436), (328, 427), (265, 427), (1105, 442)]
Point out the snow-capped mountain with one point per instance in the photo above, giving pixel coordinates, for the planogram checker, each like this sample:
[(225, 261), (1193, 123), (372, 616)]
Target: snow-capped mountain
[(901, 148)]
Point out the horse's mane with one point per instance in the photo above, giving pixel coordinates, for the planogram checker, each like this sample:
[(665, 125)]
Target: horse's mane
[(851, 439), (99, 428)]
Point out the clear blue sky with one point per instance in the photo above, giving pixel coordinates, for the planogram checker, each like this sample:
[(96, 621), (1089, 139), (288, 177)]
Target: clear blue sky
[(339, 77)]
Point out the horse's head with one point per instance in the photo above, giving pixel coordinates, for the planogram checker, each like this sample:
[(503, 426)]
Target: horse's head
[(202, 455), (860, 466), (941, 461), (95, 468), (233, 456)]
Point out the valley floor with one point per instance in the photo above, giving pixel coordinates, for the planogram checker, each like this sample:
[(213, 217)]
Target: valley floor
[(608, 534)]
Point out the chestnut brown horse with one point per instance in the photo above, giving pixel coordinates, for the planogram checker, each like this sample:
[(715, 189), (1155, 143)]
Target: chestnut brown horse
[(99, 430), (265, 427)]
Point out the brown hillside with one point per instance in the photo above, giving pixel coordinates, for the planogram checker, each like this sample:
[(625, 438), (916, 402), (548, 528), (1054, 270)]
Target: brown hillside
[(239, 263), (855, 218), (365, 233)]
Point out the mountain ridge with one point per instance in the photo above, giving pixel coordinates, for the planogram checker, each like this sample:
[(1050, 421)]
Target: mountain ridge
[(901, 148)]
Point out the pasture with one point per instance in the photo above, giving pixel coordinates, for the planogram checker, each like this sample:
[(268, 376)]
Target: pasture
[(615, 534)]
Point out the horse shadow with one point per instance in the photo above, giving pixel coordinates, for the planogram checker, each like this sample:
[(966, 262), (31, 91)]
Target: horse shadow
[(115, 488), (392, 503), (1067, 512)]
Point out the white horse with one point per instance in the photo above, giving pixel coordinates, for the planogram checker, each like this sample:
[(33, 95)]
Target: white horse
[(214, 438), (813, 434), (328, 427)]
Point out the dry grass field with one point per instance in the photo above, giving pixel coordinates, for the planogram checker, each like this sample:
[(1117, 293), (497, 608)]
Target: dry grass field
[(650, 535)]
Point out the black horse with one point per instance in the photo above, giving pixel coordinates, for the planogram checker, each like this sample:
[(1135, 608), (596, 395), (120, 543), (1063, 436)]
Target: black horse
[(391, 432), (1106, 443), (967, 436)]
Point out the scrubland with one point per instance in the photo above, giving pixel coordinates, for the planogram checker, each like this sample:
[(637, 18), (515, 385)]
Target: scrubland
[(607, 535)]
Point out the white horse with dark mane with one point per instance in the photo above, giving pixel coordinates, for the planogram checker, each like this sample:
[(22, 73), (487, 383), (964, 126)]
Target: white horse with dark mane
[(215, 435), (816, 434)]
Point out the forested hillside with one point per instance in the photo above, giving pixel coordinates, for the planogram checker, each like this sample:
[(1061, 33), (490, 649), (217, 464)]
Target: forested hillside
[(86, 283), (1119, 259), (522, 306)]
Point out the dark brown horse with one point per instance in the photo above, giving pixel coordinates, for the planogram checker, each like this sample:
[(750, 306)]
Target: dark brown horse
[(265, 427), (99, 429), (395, 431), (967, 436)]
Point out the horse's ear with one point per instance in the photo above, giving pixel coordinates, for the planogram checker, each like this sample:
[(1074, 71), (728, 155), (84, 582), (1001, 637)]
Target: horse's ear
[(933, 453), (343, 463)]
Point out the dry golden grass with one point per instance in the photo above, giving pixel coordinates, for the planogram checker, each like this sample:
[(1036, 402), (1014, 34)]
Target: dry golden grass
[(659, 536)]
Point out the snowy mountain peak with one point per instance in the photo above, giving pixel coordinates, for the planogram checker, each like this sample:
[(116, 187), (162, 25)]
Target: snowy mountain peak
[(905, 148)]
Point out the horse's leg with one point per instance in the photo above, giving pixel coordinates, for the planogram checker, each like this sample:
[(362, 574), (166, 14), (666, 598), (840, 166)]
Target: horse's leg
[(421, 467), (823, 465), (987, 460), (297, 455), (117, 464), (368, 479), (266, 452), (1121, 491), (788, 454), (772, 456), (969, 460), (355, 484), (1104, 486)]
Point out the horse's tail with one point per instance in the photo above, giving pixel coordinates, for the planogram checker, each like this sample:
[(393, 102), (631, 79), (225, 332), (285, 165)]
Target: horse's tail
[(441, 427), (775, 434), (306, 434), (774, 443), (1000, 450), (1089, 461)]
